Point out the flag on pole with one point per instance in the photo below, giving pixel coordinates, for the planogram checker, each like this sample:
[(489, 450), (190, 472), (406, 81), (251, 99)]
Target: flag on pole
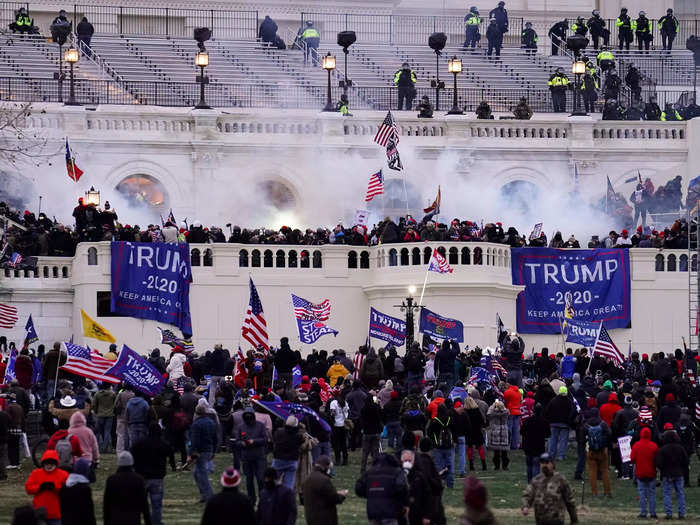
[(501, 331), (8, 316), (168, 337), (88, 363), (284, 409), (387, 130), (94, 330), (31, 336), (605, 346), (171, 218), (254, 329), (536, 231), (296, 376), (74, 172), (375, 186), (435, 206), (15, 260), (611, 190), (640, 177), (10, 374), (630, 179), (304, 309), (392, 155), (438, 263)]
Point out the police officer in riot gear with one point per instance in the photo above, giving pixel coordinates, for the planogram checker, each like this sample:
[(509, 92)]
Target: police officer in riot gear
[(405, 80)]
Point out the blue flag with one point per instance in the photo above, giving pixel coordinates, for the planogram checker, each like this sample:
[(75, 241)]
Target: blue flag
[(152, 281), (479, 374), (10, 370), (31, 336), (439, 327), (284, 409), (386, 328), (296, 376), (134, 370), (458, 392), (582, 333), (310, 331)]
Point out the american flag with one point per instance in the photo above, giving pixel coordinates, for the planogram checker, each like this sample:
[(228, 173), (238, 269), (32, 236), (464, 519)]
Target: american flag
[(254, 329), (438, 263), (168, 337), (88, 363), (8, 316), (357, 363), (375, 186), (304, 309), (691, 377), (498, 367), (604, 346), (387, 130), (15, 259), (74, 172)]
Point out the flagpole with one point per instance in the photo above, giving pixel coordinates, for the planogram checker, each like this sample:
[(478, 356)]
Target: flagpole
[(405, 192), (425, 281), (593, 347), (58, 363)]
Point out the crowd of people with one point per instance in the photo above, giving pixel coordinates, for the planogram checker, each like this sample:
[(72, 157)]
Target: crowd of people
[(422, 418)]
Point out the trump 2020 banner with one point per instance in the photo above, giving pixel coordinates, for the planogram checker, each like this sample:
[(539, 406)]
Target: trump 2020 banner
[(133, 369), (386, 328), (595, 282), (582, 333), (439, 327), (152, 281)]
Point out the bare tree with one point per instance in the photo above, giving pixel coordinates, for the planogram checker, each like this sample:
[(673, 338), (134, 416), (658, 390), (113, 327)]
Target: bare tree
[(18, 142)]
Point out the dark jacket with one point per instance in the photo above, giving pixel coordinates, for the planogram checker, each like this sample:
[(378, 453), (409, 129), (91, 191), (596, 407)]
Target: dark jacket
[(77, 507), (257, 433), (371, 417), (672, 458), (268, 30), (125, 499), (203, 435), (85, 29), (385, 487), (320, 499), (150, 456), (424, 496), (285, 359), (277, 506), (446, 357), (391, 411), (513, 352), (286, 443), (228, 506), (669, 413), (558, 410), (372, 371), (534, 432)]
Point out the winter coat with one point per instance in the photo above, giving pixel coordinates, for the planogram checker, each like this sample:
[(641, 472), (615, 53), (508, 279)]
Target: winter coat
[(124, 486), (512, 399), (176, 367), (671, 458), (385, 487), (150, 457), (277, 506), (498, 427), (47, 498), (643, 456), (669, 413), (103, 403), (335, 371), (372, 371), (608, 411), (203, 437), (371, 417), (475, 436), (24, 370), (424, 496), (287, 442), (229, 506), (558, 410), (88, 441), (446, 356), (77, 507), (320, 500), (534, 432)]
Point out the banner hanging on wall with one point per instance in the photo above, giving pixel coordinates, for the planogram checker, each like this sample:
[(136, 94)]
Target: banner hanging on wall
[(597, 282)]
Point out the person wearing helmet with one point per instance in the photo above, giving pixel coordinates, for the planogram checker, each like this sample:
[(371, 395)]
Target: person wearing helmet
[(668, 25), (405, 80), (501, 15), (311, 38), (62, 18), (605, 59), (342, 106), (642, 30), (557, 34), (494, 35), (624, 27), (528, 39), (598, 29), (579, 27), (472, 20), (22, 23), (558, 84)]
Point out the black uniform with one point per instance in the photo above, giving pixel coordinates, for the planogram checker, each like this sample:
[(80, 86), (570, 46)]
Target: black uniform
[(557, 33), (668, 25), (494, 35), (405, 79), (624, 27), (642, 29), (501, 15), (633, 79), (268, 30), (612, 85), (598, 29)]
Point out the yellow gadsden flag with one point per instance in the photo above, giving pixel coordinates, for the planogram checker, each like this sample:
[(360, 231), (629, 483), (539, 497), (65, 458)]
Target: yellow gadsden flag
[(94, 330)]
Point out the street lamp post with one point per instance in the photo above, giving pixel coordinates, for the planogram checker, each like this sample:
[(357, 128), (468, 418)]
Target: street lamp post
[(408, 307), (328, 64), (578, 68), (201, 60), (454, 66), (92, 196), (71, 56)]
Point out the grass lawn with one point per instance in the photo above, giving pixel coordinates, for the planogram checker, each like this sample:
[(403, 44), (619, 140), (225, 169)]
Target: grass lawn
[(181, 497)]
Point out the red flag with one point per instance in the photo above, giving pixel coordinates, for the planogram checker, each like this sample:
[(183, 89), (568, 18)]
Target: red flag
[(240, 373), (74, 172)]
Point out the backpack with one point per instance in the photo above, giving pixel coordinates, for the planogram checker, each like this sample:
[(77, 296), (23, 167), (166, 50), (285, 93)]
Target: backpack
[(64, 450), (444, 437), (595, 437)]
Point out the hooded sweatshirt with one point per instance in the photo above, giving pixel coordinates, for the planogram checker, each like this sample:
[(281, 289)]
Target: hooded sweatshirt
[(88, 441), (643, 456), (47, 498)]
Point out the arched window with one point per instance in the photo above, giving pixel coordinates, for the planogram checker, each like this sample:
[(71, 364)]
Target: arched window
[(243, 259), (671, 263), (92, 256), (305, 260), (466, 256), (292, 259), (364, 260), (54, 272), (415, 257), (660, 262), (427, 252), (64, 272), (255, 259), (441, 250), (477, 255), (195, 259), (46, 272), (404, 256), (352, 259), (267, 259), (454, 256), (280, 259), (208, 258), (318, 259), (392, 257), (683, 263)]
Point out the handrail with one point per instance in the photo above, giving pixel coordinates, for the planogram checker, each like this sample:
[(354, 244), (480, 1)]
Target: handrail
[(105, 69)]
